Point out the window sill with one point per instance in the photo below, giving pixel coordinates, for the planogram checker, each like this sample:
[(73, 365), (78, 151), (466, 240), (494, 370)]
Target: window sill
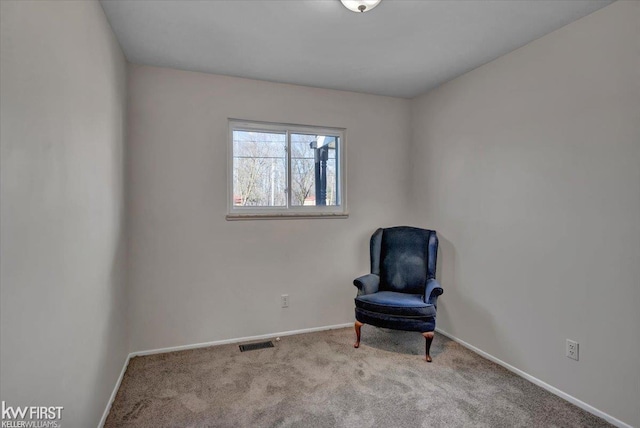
[(286, 216)]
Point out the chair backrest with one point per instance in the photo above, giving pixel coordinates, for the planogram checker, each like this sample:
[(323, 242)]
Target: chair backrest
[(404, 257)]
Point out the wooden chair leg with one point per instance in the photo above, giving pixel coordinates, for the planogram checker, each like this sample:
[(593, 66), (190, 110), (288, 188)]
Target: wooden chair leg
[(358, 326), (429, 338)]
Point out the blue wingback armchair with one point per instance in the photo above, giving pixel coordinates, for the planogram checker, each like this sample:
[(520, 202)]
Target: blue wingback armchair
[(401, 292)]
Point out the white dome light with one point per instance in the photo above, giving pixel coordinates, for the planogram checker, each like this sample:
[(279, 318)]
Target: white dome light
[(360, 5)]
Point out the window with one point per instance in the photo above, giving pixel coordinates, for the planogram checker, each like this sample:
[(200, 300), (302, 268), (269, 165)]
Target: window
[(279, 170)]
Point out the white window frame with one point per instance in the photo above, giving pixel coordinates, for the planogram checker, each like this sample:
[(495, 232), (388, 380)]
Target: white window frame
[(288, 212)]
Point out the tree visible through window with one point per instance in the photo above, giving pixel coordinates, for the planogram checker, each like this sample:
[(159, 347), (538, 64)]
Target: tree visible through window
[(285, 169), (259, 169)]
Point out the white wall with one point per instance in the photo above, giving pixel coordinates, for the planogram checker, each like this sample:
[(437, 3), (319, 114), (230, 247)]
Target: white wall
[(196, 277), (529, 168), (63, 81)]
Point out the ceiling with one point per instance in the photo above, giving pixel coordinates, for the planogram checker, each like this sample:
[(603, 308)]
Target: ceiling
[(401, 48)]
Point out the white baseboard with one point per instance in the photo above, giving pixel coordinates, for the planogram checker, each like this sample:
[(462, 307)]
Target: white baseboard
[(237, 340), (571, 399), (205, 345), (115, 391)]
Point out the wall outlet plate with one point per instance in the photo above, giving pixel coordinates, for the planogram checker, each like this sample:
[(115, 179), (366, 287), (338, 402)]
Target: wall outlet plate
[(573, 349), (284, 301)]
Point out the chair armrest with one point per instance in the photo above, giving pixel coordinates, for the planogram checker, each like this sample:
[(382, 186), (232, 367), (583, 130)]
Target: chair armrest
[(367, 284), (432, 291)]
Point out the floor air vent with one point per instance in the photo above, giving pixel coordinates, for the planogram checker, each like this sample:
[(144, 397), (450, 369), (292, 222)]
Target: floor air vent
[(254, 346)]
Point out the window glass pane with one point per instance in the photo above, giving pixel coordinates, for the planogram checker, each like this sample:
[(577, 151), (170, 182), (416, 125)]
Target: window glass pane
[(259, 169), (314, 170)]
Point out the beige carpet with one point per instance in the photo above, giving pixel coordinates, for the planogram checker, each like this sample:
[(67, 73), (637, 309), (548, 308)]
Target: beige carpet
[(320, 380)]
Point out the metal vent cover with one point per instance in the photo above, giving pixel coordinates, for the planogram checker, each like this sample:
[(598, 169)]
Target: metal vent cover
[(254, 346)]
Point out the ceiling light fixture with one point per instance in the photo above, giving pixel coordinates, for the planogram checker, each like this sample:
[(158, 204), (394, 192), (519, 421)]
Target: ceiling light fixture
[(360, 5)]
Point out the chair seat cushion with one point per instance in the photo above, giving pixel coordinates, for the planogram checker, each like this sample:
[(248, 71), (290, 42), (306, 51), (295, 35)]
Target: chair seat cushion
[(394, 303)]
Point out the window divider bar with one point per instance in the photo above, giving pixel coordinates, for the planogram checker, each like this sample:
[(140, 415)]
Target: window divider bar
[(288, 169)]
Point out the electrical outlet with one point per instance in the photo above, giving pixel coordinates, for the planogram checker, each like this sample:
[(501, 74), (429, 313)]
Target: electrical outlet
[(284, 301), (572, 349)]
